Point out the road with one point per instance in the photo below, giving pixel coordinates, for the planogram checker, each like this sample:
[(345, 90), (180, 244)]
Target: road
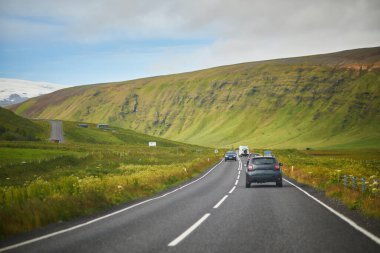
[(215, 213), (56, 132)]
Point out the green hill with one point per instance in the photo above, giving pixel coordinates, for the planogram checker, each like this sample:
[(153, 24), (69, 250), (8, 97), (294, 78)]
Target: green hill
[(16, 128), (112, 135), (329, 100)]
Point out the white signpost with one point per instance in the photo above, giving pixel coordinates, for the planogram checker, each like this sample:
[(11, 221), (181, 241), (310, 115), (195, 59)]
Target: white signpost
[(152, 144)]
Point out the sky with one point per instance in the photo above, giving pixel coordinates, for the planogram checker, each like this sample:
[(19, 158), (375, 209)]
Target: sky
[(73, 42)]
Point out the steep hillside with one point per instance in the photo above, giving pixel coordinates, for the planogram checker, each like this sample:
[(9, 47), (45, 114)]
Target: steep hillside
[(329, 100), (16, 128), (113, 135)]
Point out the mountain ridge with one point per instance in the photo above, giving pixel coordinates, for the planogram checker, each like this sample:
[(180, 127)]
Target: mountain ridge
[(328, 100)]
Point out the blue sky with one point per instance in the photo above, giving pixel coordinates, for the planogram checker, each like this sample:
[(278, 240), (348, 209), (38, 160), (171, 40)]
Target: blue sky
[(82, 42)]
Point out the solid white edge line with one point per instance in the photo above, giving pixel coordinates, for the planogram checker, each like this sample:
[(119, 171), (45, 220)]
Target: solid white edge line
[(105, 216), (232, 190), (188, 231), (346, 219), (220, 202)]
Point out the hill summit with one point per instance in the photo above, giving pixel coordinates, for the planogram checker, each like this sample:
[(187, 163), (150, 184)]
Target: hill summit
[(329, 100)]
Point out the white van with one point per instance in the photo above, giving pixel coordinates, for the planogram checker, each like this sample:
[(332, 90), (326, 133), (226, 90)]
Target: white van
[(243, 151)]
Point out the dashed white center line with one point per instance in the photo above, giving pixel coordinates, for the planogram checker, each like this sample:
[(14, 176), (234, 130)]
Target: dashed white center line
[(201, 220), (233, 188), (188, 231), (221, 201)]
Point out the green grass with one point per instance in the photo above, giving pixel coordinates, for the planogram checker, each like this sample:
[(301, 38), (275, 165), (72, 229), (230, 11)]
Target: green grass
[(77, 183), (321, 101), (112, 135), (16, 128), (20, 155), (42, 182)]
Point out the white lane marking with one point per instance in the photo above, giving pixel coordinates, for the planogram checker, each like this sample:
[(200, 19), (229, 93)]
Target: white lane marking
[(239, 172), (221, 201), (231, 191), (188, 231), (240, 164), (105, 216), (236, 182), (238, 177), (346, 219)]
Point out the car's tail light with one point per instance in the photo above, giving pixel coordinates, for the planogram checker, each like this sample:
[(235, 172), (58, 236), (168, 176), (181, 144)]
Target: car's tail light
[(250, 167), (277, 167)]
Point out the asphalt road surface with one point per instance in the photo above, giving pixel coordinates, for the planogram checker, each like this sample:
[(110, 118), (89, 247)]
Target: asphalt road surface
[(215, 213), (56, 132)]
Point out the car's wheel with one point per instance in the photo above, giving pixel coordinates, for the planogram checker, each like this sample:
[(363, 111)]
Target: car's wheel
[(279, 184), (225, 160), (247, 184)]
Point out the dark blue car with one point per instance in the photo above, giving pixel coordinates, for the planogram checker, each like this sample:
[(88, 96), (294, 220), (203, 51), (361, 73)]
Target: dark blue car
[(262, 170), (230, 155)]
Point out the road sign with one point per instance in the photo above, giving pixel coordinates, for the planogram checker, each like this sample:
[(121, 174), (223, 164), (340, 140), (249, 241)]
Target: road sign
[(216, 151), (152, 144)]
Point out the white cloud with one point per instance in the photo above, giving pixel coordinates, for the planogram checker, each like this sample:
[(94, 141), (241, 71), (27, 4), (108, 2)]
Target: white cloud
[(157, 19), (239, 30), (26, 88)]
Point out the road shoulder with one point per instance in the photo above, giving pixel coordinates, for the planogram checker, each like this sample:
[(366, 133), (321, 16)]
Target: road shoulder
[(368, 223)]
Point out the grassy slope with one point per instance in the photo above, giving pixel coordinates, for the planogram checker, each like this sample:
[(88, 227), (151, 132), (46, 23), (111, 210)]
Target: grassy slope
[(327, 100), (14, 127), (43, 182), (113, 135)]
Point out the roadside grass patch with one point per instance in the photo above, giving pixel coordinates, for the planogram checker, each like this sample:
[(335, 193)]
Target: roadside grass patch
[(43, 183), (325, 170)]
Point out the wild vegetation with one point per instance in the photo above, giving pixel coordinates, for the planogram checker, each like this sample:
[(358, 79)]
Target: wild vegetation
[(42, 182), (322, 101), (16, 128), (327, 170), (326, 101)]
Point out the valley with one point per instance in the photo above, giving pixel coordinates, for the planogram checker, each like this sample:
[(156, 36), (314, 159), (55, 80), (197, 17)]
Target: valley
[(322, 101)]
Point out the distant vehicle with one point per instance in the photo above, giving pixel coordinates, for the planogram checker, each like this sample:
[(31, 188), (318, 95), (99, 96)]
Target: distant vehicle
[(268, 153), (262, 170), (103, 126), (230, 155), (252, 155), (243, 151)]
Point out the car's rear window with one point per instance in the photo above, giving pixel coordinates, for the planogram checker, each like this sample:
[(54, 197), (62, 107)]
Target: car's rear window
[(260, 161), (230, 152)]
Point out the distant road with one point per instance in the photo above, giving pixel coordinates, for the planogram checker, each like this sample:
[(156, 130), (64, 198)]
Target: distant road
[(214, 213), (56, 132)]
